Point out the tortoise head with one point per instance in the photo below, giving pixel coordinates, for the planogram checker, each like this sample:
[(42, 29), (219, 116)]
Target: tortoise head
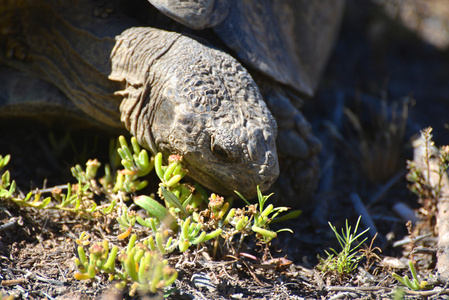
[(213, 115), (202, 104)]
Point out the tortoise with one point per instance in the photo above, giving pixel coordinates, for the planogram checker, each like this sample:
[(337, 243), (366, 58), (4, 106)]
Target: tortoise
[(192, 78)]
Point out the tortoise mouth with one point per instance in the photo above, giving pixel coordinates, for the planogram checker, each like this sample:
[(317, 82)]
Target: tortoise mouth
[(210, 181), (246, 183)]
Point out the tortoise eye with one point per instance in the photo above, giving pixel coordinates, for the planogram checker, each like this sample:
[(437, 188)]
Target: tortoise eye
[(220, 152)]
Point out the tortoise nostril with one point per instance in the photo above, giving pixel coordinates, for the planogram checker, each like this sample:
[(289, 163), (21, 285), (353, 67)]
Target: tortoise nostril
[(220, 152)]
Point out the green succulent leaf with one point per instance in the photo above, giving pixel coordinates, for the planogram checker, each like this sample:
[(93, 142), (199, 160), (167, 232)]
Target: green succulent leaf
[(157, 210), (288, 216), (173, 200)]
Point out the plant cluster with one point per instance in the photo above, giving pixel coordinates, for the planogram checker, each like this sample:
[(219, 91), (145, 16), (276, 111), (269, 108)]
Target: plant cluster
[(7, 187), (414, 284), (78, 198), (141, 266), (187, 218), (344, 262), (183, 217)]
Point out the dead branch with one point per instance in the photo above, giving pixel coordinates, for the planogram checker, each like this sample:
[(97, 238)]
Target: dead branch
[(426, 159)]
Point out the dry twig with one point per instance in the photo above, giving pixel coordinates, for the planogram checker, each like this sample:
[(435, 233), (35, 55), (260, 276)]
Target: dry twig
[(427, 159)]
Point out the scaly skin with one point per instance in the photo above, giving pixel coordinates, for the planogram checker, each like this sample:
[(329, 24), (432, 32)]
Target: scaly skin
[(198, 102)]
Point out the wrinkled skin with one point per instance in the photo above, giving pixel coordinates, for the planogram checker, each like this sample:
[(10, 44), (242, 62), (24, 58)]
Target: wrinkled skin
[(204, 107)]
